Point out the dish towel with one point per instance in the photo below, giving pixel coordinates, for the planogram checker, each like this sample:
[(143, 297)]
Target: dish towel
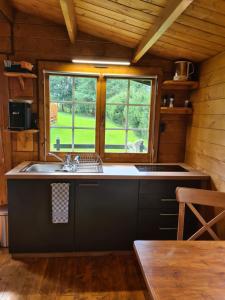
[(60, 202)]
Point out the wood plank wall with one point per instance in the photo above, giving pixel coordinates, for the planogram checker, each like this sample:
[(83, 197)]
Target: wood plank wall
[(5, 141), (5, 36), (36, 39), (49, 41), (205, 147), (172, 138)]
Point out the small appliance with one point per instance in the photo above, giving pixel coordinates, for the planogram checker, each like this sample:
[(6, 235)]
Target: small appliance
[(20, 114), (183, 70)]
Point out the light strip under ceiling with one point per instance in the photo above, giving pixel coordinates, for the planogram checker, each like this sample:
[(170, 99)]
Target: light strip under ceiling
[(101, 62)]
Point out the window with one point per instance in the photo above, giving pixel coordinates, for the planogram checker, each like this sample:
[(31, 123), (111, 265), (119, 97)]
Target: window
[(88, 111), (72, 113), (127, 115)]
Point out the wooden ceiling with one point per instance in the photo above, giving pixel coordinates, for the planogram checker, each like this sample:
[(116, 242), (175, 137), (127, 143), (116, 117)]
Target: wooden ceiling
[(197, 34)]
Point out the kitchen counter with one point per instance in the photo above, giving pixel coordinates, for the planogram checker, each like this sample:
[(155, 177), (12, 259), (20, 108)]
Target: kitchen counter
[(98, 205), (110, 171)]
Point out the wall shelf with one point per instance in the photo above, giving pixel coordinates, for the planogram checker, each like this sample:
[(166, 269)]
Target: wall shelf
[(179, 85), (176, 110), (21, 77)]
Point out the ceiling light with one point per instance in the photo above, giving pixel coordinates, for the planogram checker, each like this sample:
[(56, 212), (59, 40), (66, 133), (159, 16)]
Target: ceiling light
[(101, 62)]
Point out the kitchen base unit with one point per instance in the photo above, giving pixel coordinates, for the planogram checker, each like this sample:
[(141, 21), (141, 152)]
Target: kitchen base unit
[(104, 215)]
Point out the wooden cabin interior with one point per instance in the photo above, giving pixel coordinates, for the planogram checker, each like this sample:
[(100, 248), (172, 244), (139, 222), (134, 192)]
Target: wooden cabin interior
[(112, 149)]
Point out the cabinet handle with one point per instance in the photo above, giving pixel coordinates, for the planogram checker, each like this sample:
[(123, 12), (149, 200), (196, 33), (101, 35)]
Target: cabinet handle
[(167, 228), (168, 214), (168, 200), (88, 184)]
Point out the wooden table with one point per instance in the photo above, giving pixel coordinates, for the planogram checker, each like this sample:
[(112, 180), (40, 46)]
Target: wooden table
[(184, 270)]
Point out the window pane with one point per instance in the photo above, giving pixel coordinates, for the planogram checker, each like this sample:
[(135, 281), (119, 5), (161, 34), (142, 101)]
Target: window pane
[(116, 90), (60, 88), (138, 117), (137, 141), (64, 89), (60, 114), (133, 115), (116, 116), (84, 140), (60, 139), (85, 115), (85, 89), (115, 141), (140, 91)]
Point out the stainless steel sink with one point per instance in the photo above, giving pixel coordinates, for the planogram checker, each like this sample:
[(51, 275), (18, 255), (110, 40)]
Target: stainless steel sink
[(60, 167), (43, 168)]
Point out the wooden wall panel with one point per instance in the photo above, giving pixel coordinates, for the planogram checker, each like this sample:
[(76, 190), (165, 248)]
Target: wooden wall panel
[(205, 147), (172, 138), (49, 41), (5, 144), (5, 36)]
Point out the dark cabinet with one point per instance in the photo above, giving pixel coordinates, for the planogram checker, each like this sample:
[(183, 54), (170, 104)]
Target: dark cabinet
[(158, 209), (106, 214), (30, 219), (103, 214)]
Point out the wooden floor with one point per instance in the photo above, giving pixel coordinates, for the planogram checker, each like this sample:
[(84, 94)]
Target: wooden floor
[(112, 276)]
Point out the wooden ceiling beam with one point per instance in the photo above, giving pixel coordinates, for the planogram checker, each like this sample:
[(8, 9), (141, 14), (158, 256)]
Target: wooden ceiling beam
[(69, 17), (6, 9), (169, 15)]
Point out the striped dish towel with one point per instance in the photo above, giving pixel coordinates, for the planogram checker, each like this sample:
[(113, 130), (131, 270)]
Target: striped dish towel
[(60, 202)]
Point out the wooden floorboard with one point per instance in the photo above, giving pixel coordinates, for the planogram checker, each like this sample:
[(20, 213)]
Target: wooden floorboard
[(108, 277)]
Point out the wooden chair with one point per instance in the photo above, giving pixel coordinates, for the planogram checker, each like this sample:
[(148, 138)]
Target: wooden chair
[(191, 196)]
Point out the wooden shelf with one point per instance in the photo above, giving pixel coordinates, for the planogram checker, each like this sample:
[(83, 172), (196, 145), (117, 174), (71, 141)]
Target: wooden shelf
[(176, 110), (31, 131), (21, 77), (180, 85)]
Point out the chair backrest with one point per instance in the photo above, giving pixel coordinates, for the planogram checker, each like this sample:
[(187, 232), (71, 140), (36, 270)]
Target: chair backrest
[(189, 196)]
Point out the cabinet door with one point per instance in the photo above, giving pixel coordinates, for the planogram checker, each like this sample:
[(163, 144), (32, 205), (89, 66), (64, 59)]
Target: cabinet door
[(158, 210), (30, 219), (106, 214)]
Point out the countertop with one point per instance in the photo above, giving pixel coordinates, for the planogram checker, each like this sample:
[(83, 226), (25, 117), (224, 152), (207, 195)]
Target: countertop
[(110, 171)]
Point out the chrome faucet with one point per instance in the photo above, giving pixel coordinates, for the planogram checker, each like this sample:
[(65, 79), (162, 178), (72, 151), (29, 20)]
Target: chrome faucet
[(68, 163), (56, 156), (77, 159), (68, 160)]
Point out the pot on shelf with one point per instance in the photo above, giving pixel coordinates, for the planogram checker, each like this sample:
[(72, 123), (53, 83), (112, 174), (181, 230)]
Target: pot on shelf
[(183, 70)]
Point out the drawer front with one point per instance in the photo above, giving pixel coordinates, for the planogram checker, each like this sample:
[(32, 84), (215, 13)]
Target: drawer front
[(161, 193), (148, 228), (168, 220), (168, 233), (168, 206), (153, 226)]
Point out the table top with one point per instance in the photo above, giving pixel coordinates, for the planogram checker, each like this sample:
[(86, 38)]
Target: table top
[(184, 270)]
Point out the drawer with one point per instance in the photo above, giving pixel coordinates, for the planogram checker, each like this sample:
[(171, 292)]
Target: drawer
[(168, 220), (161, 193), (164, 188), (147, 227), (153, 224), (162, 203), (168, 233), (149, 201), (151, 228), (168, 205)]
